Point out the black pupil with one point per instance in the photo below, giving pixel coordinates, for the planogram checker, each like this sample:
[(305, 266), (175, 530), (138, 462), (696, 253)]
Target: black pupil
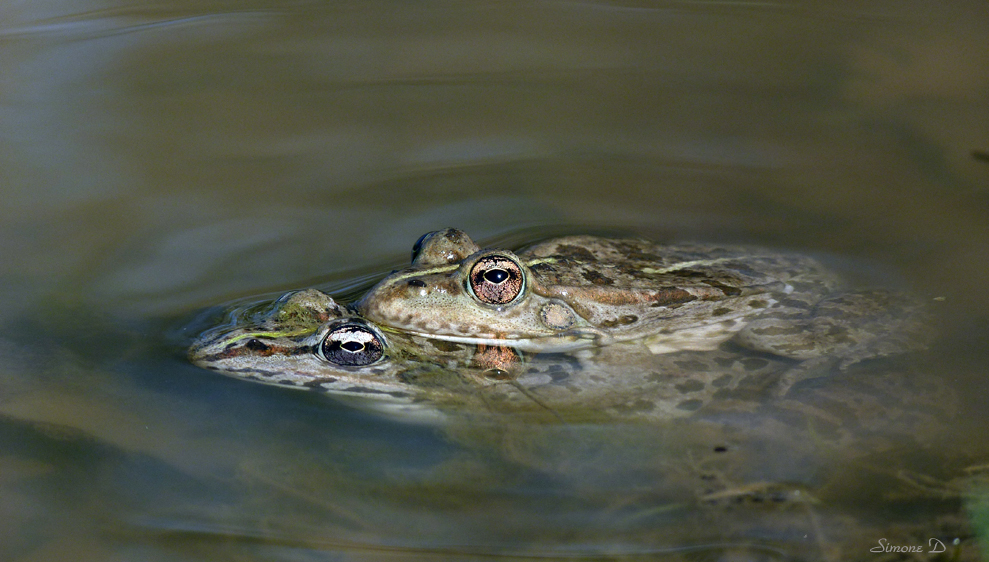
[(352, 346), (495, 276)]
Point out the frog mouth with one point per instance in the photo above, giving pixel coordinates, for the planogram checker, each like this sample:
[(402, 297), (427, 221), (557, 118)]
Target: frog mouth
[(556, 343)]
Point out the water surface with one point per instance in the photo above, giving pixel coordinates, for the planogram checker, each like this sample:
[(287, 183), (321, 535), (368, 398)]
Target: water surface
[(160, 160)]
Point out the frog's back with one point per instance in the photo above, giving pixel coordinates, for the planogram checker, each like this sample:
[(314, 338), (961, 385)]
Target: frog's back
[(619, 264)]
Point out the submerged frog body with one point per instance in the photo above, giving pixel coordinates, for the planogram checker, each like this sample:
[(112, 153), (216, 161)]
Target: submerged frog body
[(307, 340), (585, 291), (716, 435)]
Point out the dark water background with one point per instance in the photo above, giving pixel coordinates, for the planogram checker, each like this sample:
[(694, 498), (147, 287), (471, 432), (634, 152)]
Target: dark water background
[(160, 158)]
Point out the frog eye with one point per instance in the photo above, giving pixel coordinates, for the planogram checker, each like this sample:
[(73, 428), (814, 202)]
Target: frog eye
[(496, 280), (351, 345)]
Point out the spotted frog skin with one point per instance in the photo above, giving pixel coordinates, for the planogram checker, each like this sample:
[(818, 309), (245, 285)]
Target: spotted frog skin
[(706, 419), (306, 340), (584, 291)]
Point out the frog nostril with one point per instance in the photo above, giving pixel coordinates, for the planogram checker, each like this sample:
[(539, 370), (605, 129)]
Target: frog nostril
[(416, 283)]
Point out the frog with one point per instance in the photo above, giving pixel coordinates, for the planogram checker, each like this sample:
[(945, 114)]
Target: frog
[(584, 291), (306, 340), (708, 420)]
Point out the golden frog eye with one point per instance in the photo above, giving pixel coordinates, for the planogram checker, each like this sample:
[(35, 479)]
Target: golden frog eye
[(351, 345), (496, 280)]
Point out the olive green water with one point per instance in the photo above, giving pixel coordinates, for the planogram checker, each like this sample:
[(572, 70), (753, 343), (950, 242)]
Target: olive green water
[(156, 161)]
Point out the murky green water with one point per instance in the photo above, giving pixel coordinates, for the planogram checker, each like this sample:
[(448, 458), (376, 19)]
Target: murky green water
[(159, 160)]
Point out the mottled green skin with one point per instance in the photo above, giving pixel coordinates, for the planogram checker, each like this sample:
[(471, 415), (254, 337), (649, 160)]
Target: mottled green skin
[(585, 291), (281, 347), (429, 376), (725, 436)]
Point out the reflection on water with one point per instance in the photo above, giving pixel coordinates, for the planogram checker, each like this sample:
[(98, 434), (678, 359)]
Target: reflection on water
[(159, 160)]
